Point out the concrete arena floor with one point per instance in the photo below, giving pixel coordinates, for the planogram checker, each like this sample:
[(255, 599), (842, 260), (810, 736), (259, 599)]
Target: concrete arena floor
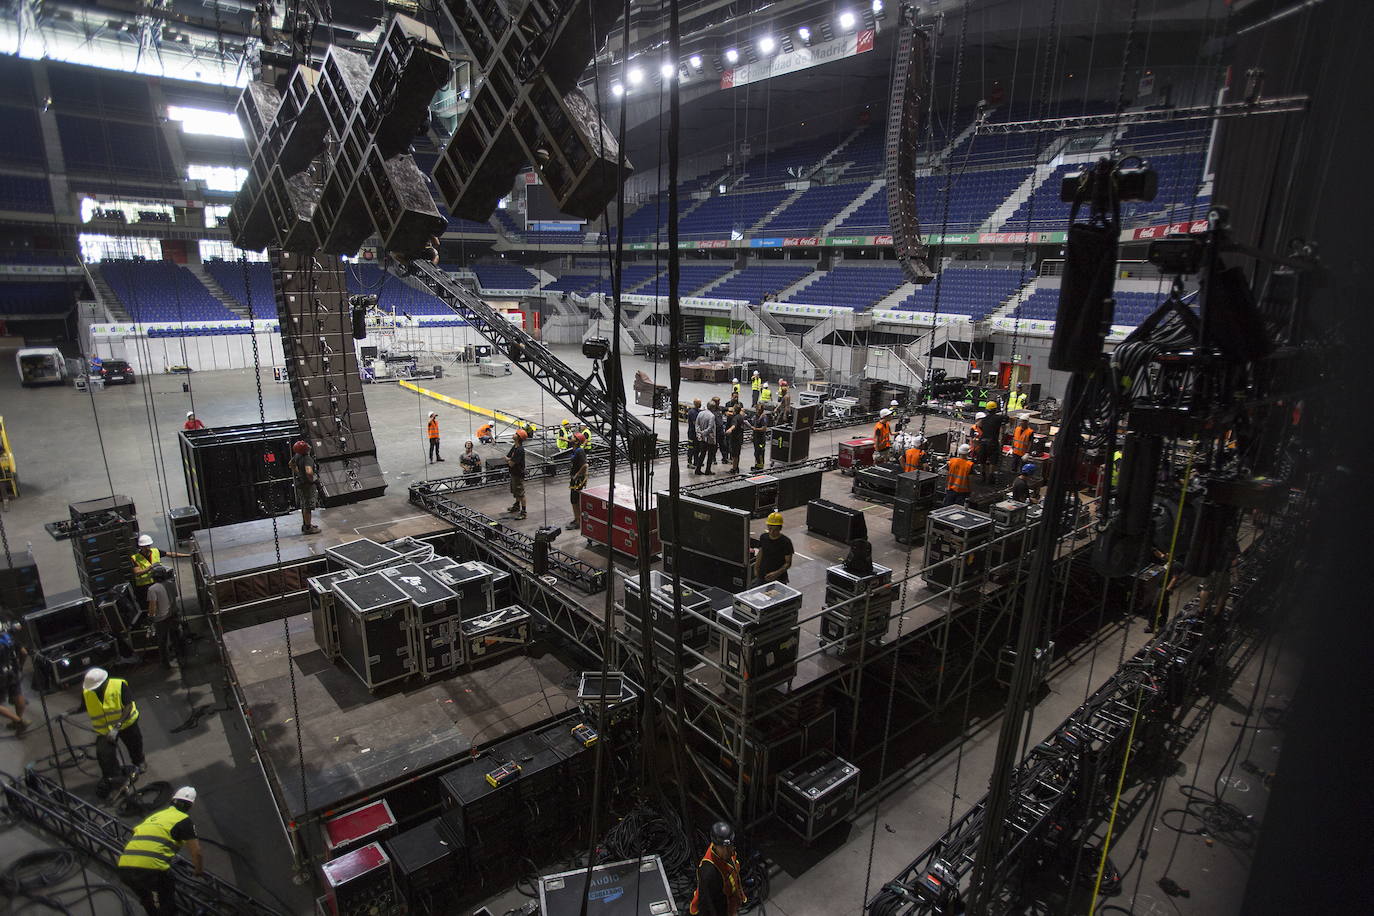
[(53, 432)]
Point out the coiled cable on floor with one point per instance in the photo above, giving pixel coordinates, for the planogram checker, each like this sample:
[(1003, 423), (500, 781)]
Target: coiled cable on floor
[(36, 870)]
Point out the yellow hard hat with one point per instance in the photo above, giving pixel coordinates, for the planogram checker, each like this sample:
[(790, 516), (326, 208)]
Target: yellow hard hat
[(775, 518), (992, 405)]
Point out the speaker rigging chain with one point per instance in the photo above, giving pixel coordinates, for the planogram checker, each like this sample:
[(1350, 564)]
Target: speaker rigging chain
[(276, 533)]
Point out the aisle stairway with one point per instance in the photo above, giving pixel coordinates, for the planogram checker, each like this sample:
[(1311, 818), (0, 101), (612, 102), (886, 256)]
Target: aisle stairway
[(218, 291)]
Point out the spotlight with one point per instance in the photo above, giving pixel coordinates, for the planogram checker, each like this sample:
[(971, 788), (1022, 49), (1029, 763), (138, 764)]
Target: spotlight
[(877, 7), (804, 34), (731, 55), (666, 70), (846, 20), (695, 61), (767, 44), (636, 76), (617, 90)]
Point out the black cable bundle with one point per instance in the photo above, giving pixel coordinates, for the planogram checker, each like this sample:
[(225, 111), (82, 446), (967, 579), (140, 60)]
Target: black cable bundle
[(644, 831)]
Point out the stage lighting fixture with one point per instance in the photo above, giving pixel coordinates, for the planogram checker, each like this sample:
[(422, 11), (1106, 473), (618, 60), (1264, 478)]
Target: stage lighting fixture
[(617, 90), (666, 70), (846, 20), (767, 44), (695, 61), (731, 55), (636, 76), (804, 34), (877, 7)]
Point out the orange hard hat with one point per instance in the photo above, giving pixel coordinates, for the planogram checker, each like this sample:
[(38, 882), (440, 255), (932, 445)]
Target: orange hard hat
[(521, 434)]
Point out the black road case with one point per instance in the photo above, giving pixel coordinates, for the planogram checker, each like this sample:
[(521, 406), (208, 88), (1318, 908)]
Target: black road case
[(323, 613), (431, 599), (493, 635), (816, 794), (634, 887), (363, 555), (438, 646), (374, 631)]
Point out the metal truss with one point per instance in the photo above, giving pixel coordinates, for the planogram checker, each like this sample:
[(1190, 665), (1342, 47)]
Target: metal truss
[(585, 397), (937, 664), (1053, 788), (102, 837), (1276, 105), (438, 499)]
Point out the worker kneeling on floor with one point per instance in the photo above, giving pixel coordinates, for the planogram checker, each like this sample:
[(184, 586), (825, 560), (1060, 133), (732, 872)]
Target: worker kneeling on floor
[(146, 863)]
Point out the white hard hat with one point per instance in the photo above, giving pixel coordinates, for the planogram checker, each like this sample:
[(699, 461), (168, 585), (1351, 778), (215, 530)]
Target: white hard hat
[(94, 678), (894, 403), (756, 372), (979, 415), (190, 414), (963, 449), (735, 381), (186, 794), (920, 440), (885, 412), (145, 540), (433, 414)]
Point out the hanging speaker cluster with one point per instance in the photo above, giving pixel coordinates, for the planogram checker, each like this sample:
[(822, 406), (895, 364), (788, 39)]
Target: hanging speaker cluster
[(528, 110), (330, 156), (903, 128), (316, 320)]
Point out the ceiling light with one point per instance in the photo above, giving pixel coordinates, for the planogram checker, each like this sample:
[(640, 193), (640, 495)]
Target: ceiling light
[(767, 44), (666, 70), (804, 34), (846, 20), (617, 90), (731, 55), (695, 61), (636, 76)]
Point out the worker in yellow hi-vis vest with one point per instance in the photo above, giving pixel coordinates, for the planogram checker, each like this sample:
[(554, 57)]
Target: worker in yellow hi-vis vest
[(146, 863)]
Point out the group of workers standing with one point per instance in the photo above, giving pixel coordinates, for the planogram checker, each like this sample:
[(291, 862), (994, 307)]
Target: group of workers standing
[(980, 454), (719, 427)]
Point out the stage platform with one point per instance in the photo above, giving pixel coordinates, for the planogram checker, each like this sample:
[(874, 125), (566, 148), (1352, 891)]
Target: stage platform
[(548, 504), (355, 743), (237, 566)]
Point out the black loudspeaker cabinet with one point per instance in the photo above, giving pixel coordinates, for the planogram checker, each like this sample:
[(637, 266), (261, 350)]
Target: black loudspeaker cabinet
[(239, 473), (374, 631), (797, 486), (21, 590), (122, 505), (757, 494), (707, 528), (707, 570), (917, 487), (878, 483), (840, 523), (908, 521), (425, 862)]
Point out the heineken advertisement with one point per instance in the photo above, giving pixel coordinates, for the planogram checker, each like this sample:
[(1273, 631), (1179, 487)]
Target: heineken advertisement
[(885, 241)]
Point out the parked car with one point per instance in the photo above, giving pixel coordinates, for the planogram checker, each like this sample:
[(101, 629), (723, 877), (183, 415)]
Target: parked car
[(117, 370)]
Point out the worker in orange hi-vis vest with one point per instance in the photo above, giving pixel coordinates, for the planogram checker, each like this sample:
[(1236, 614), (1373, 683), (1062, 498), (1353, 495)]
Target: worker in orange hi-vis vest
[(958, 479), (915, 451), (1021, 438), (882, 437), (432, 431)]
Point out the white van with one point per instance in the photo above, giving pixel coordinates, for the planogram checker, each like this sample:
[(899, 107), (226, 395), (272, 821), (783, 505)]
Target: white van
[(41, 366)]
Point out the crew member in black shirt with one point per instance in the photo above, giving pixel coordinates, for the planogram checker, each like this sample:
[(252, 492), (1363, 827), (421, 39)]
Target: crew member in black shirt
[(577, 479), (762, 420), (734, 435), (990, 436), (775, 553), (515, 458), (1024, 488)]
